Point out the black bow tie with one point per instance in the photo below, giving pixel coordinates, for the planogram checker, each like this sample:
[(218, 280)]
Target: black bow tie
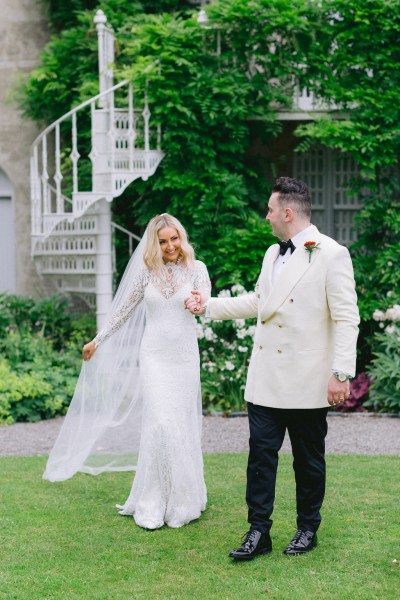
[(285, 246)]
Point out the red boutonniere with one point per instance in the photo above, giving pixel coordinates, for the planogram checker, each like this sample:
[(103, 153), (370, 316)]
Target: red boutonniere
[(310, 247)]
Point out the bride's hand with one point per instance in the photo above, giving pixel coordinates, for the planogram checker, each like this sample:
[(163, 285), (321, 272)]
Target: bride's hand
[(88, 350), (195, 302)]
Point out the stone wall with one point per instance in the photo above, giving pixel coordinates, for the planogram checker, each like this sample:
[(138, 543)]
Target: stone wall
[(23, 34)]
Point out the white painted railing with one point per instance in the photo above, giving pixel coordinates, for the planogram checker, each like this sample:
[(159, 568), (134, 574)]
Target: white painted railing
[(116, 161)]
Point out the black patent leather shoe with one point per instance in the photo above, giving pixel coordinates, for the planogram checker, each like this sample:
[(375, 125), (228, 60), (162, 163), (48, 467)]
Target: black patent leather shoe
[(254, 543), (302, 542)]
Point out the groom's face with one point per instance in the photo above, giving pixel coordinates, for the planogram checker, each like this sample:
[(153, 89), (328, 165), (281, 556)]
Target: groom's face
[(276, 217)]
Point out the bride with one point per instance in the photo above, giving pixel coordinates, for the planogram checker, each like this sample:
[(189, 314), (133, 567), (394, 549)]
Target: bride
[(139, 400)]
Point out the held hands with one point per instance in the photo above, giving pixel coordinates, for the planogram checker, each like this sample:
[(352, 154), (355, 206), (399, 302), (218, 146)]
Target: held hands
[(88, 350), (195, 302), (338, 392)]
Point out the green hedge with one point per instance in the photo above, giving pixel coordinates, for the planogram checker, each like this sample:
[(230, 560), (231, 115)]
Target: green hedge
[(40, 356)]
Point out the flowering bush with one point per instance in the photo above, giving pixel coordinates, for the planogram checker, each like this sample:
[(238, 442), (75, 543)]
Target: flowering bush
[(225, 348), (384, 370)]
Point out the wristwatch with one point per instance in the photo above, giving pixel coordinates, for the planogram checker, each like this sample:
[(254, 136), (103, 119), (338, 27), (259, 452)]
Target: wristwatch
[(342, 377)]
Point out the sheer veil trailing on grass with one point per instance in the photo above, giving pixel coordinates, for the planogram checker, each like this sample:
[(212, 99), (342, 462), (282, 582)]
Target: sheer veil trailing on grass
[(101, 431)]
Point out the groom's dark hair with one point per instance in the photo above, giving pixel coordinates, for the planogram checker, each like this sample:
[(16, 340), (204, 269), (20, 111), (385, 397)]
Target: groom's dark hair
[(294, 192)]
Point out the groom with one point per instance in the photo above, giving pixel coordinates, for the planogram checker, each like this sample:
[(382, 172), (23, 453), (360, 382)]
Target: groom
[(303, 358)]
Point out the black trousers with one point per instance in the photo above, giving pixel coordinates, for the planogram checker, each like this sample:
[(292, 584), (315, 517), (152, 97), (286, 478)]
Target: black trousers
[(307, 429)]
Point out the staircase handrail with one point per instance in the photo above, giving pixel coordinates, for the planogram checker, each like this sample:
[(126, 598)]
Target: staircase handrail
[(88, 102), (129, 233), (131, 236), (78, 108)]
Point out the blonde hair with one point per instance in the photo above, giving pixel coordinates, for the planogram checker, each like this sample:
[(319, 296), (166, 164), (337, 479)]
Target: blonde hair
[(153, 254)]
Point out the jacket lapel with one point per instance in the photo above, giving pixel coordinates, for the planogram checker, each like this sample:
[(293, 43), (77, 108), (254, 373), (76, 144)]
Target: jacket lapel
[(273, 253), (290, 275)]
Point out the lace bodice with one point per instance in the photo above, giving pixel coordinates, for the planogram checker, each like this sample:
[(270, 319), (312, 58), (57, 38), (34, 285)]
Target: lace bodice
[(173, 277)]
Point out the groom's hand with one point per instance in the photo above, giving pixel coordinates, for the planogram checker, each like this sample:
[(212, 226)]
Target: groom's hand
[(195, 303), (338, 392)]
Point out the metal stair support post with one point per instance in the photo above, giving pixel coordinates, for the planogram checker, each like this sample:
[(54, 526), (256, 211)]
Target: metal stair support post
[(104, 266)]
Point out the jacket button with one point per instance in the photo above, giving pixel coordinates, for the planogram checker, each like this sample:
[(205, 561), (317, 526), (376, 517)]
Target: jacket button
[(279, 351), (262, 322), (258, 296), (280, 326), (260, 347), (291, 300)]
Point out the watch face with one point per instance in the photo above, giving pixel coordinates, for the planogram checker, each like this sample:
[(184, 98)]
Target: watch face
[(342, 377)]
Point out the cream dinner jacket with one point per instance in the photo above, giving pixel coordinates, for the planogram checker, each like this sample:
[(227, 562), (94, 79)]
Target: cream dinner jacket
[(307, 325)]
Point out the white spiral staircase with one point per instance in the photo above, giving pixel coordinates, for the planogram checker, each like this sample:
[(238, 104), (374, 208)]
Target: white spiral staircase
[(72, 230)]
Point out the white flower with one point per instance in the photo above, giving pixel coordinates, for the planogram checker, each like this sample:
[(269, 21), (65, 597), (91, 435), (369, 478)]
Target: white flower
[(241, 334), (238, 290), (381, 325), (229, 366), (242, 349), (224, 294), (199, 331), (390, 329), (378, 315), (389, 294), (251, 331), (239, 323), (209, 334), (393, 314), (390, 264)]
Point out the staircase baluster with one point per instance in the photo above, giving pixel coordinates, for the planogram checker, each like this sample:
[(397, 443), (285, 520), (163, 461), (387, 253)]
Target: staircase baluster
[(159, 137), (36, 195), (58, 175), (74, 154), (45, 178), (131, 128), (146, 116), (93, 153), (112, 136)]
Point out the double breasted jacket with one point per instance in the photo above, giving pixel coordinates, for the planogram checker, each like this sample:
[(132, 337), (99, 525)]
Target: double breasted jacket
[(307, 325)]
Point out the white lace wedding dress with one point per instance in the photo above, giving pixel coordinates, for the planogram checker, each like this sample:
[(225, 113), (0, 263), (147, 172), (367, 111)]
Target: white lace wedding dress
[(168, 487)]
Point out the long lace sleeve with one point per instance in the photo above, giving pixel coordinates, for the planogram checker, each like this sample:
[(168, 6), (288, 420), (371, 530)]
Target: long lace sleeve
[(125, 311), (201, 280)]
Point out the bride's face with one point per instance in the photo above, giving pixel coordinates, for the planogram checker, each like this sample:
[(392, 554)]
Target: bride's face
[(170, 244)]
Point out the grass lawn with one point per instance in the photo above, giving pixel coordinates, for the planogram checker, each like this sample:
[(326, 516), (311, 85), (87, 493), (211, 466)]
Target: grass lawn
[(66, 540)]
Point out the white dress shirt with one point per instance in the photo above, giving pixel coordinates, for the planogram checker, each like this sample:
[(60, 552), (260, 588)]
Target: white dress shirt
[(298, 241)]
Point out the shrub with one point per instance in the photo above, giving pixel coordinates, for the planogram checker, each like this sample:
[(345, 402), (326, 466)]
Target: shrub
[(40, 356), (384, 370)]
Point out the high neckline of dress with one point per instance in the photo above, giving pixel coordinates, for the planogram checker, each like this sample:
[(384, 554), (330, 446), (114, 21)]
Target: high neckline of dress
[(170, 263)]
